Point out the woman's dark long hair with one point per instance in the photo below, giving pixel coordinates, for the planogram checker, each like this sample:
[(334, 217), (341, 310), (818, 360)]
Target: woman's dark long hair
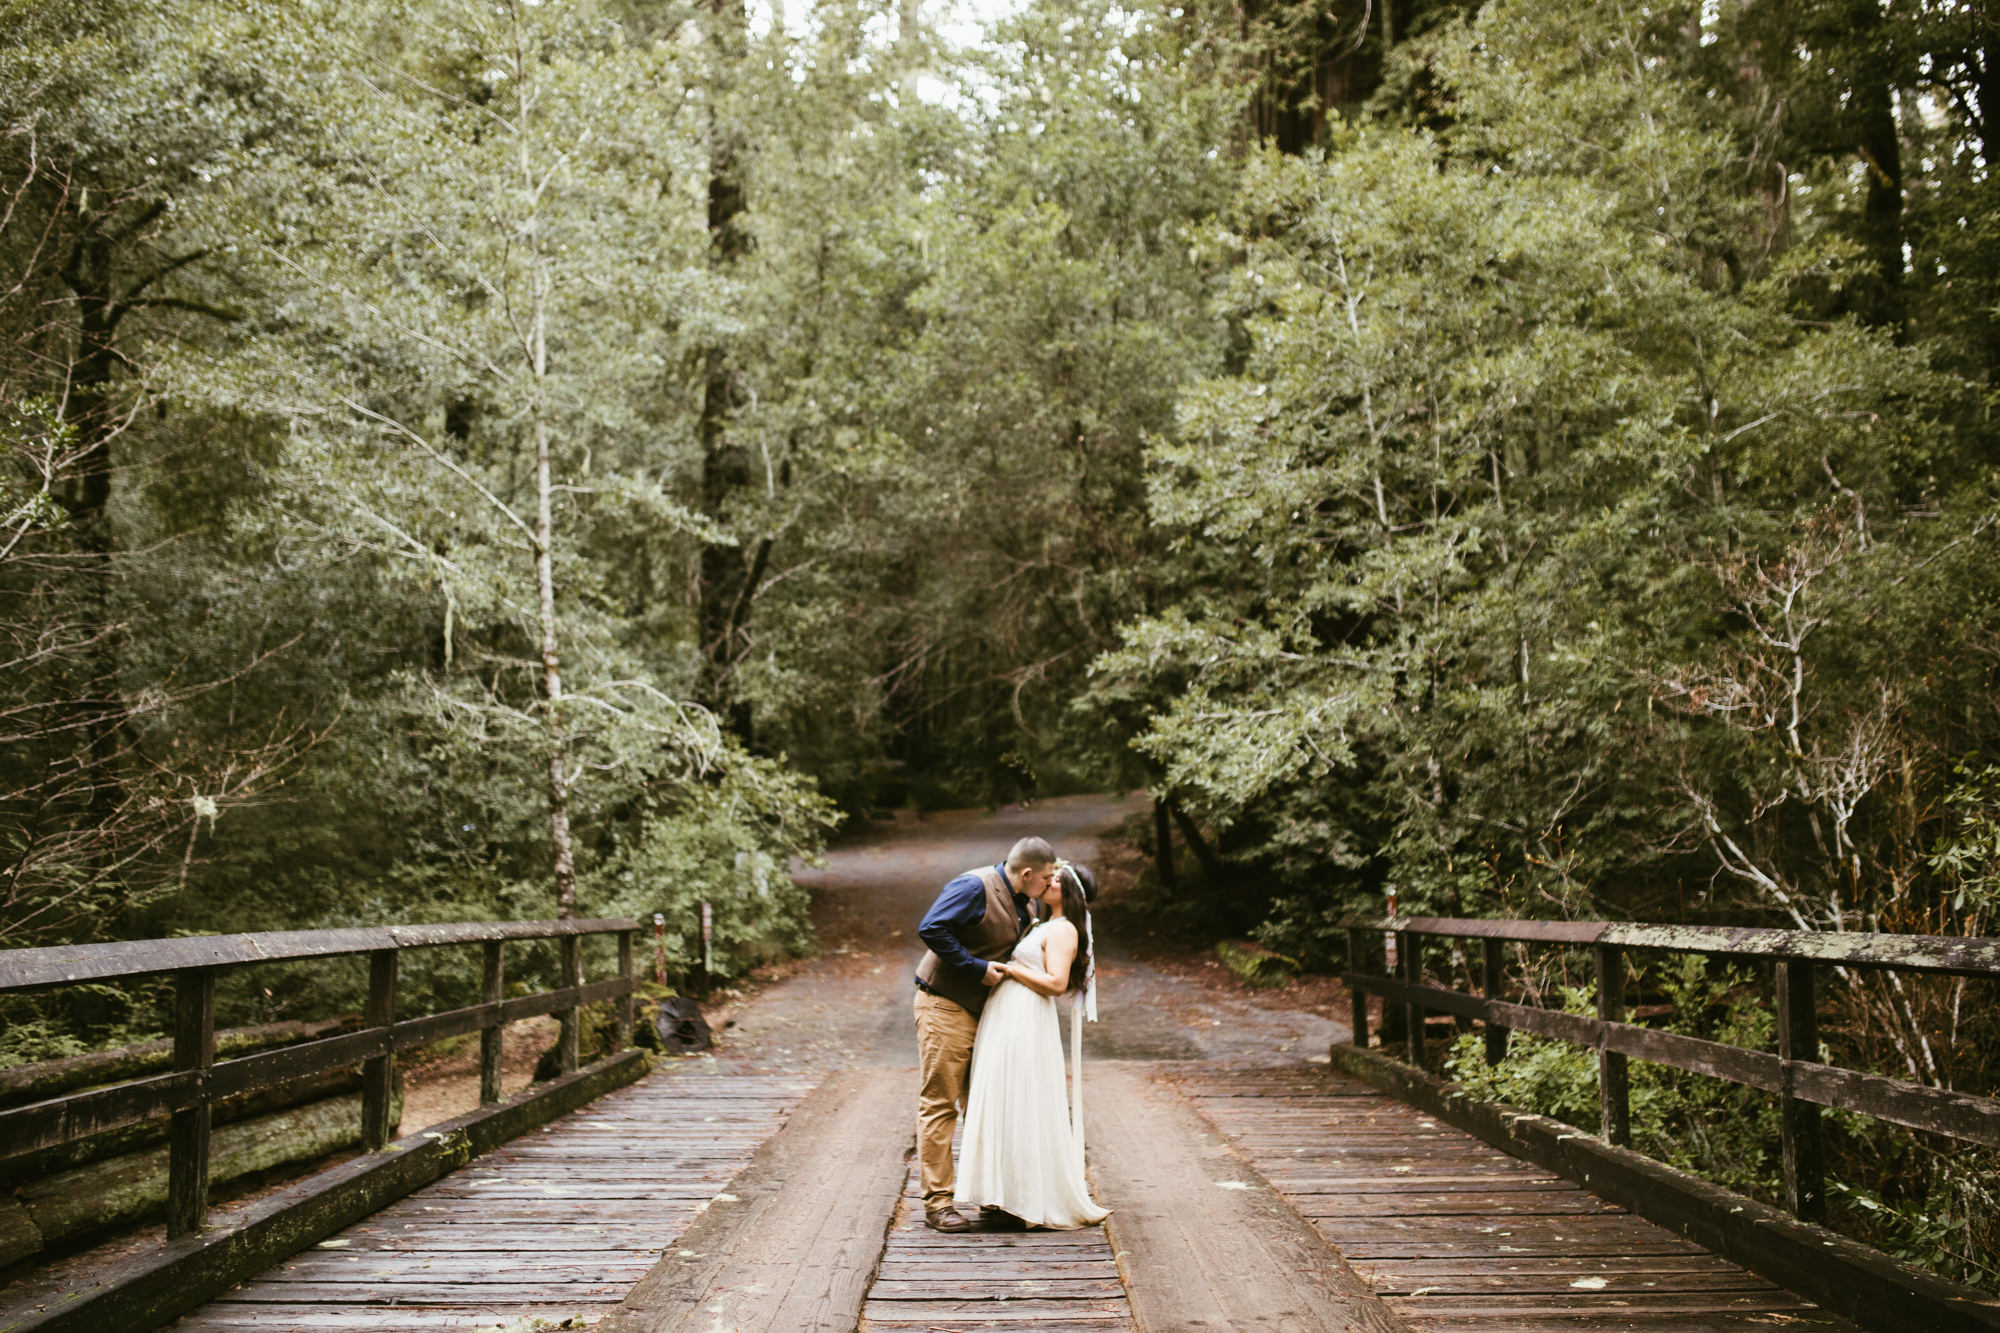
[(1076, 906)]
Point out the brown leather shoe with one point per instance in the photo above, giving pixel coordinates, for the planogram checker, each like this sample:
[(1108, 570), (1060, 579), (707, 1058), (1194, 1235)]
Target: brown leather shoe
[(948, 1220), (999, 1219)]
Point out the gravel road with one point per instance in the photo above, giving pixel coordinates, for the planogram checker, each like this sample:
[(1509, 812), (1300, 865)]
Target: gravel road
[(850, 1005)]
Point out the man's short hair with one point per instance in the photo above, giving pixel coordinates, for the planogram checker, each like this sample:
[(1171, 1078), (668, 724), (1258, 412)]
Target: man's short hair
[(1031, 854)]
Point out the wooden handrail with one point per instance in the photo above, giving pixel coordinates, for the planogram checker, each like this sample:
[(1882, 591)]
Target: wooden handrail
[(28, 969), (197, 1081), (1951, 955), (1802, 1083)]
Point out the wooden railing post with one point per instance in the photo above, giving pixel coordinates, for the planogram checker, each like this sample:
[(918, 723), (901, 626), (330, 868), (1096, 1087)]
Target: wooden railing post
[(187, 1134), (1493, 984), (493, 991), (1798, 1121), (378, 1073), (572, 975), (1409, 949), (1357, 998), (1614, 1099), (625, 1001)]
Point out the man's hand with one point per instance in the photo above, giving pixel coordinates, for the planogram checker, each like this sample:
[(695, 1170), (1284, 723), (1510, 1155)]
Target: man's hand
[(995, 974)]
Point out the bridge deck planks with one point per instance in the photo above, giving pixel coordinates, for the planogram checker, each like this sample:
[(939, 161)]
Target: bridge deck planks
[(1457, 1237), (1016, 1282), (557, 1224)]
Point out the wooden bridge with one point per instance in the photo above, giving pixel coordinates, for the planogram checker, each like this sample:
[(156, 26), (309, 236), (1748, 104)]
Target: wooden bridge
[(1358, 1193)]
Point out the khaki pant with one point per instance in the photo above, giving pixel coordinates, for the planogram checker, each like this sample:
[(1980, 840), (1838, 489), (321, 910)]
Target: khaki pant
[(944, 1055)]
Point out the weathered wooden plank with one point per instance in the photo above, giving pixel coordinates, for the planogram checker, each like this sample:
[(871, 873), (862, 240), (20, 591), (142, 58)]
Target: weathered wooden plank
[(492, 991), (80, 1115), (315, 1266), (343, 1319), (378, 1073), (1437, 1238), (793, 1241), (1050, 1287), (144, 1291), (1539, 1203), (23, 969), (188, 1133), (949, 1313), (1952, 955), (1435, 1256), (917, 1270), (1601, 1321), (991, 1319), (1913, 1105), (600, 1289), (1844, 1277), (519, 1237), (1497, 928), (1968, 955), (1619, 1285), (1239, 1257), (1566, 1266)]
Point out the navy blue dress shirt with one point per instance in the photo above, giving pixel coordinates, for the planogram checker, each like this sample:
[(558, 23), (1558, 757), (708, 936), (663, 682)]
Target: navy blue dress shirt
[(959, 907)]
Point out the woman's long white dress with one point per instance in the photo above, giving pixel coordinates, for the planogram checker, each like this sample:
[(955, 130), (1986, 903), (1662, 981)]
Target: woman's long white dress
[(1019, 1151)]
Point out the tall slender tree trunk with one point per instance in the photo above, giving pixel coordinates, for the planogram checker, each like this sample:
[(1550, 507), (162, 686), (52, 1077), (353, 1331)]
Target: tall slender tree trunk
[(726, 568), (88, 410), (1163, 841), (1881, 300), (545, 577), (1988, 52)]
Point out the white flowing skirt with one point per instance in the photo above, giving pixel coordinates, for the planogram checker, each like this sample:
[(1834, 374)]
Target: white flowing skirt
[(1018, 1152)]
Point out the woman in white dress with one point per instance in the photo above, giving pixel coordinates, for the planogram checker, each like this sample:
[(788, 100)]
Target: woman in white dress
[(1022, 1151)]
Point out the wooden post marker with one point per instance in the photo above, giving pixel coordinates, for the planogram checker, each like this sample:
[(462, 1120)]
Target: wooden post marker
[(572, 976), (1798, 1121), (1614, 1097), (187, 1133), (1410, 949), (1357, 999), (625, 1006), (1493, 982), (493, 989), (378, 1072)]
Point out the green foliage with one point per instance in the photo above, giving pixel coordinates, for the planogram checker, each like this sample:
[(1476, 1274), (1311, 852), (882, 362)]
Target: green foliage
[(1947, 1228), (1969, 853), (1539, 457), (1257, 965), (1698, 1124)]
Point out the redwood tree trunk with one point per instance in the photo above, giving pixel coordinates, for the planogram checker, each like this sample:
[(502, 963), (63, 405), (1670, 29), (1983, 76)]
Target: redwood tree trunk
[(1881, 299), (724, 596)]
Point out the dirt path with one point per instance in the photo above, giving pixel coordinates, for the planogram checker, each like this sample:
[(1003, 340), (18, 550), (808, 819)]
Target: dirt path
[(851, 1005)]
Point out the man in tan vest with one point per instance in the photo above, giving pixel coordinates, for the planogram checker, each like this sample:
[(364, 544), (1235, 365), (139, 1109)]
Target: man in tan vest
[(976, 921)]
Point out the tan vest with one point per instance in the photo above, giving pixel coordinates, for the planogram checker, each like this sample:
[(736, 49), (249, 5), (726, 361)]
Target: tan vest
[(993, 939)]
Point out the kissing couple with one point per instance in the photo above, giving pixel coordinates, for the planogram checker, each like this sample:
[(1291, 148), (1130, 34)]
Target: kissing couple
[(1003, 942)]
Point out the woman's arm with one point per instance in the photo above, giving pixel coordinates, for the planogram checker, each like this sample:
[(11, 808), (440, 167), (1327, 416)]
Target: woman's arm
[(1058, 951)]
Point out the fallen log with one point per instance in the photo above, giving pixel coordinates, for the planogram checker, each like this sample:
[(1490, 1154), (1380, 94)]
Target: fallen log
[(146, 1133), (18, 1238), (52, 1078), (71, 1207)]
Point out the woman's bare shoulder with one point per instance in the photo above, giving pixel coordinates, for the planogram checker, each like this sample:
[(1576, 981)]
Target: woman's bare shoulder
[(1062, 926)]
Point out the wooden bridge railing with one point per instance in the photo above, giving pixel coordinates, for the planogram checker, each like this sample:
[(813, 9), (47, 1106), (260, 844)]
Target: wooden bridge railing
[(1794, 1072), (197, 1081)]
